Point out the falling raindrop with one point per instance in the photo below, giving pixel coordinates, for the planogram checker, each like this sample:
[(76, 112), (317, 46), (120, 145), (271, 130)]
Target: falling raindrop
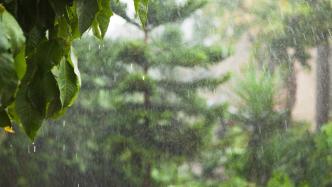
[(304, 36), (29, 149), (64, 123), (291, 30), (322, 36), (131, 67), (289, 58), (34, 148), (47, 34), (312, 30), (294, 40), (64, 148), (143, 77)]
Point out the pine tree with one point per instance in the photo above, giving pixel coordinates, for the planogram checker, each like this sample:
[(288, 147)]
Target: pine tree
[(160, 119), (138, 113)]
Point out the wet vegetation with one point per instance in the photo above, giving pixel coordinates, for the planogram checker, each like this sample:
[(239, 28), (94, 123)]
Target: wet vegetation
[(144, 115)]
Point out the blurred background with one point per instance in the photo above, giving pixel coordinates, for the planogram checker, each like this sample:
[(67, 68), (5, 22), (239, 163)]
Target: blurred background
[(226, 93)]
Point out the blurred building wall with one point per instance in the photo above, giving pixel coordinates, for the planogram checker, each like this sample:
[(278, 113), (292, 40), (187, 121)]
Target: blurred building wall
[(304, 108)]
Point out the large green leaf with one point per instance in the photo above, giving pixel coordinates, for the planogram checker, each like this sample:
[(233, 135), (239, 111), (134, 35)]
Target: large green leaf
[(43, 92), (141, 8), (68, 80), (30, 117), (12, 32), (20, 64), (50, 53), (38, 96), (86, 11), (104, 15), (11, 43), (8, 79), (102, 19)]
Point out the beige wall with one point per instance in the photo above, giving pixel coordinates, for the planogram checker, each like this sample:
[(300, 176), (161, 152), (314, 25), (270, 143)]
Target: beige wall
[(304, 109)]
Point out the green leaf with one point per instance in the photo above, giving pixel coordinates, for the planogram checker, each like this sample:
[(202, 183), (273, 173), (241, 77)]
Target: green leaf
[(67, 77), (103, 16), (50, 53), (38, 96), (86, 11), (102, 19), (11, 110), (30, 117), (4, 119), (141, 8), (8, 79), (20, 64), (34, 37), (45, 94), (73, 22), (4, 42), (11, 43), (11, 31), (95, 29)]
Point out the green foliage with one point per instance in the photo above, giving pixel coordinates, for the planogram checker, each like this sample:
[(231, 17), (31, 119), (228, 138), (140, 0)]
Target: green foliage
[(67, 77), (12, 64), (148, 119), (86, 11), (39, 76), (257, 91), (143, 125), (142, 8), (280, 179), (259, 147), (263, 148), (116, 146)]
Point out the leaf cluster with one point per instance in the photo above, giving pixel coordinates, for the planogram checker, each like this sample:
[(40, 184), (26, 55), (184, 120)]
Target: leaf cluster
[(39, 77)]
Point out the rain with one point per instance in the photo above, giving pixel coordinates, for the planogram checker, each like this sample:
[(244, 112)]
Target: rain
[(220, 93)]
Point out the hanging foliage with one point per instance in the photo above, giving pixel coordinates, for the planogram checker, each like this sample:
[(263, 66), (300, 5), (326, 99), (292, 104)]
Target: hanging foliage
[(39, 78)]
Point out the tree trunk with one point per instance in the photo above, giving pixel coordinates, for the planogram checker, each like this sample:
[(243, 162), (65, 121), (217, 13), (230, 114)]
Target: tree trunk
[(322, 84), (291, 86), (147, 180)]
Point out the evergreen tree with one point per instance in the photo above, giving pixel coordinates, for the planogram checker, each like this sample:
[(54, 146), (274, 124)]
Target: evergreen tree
[(154, 118)]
